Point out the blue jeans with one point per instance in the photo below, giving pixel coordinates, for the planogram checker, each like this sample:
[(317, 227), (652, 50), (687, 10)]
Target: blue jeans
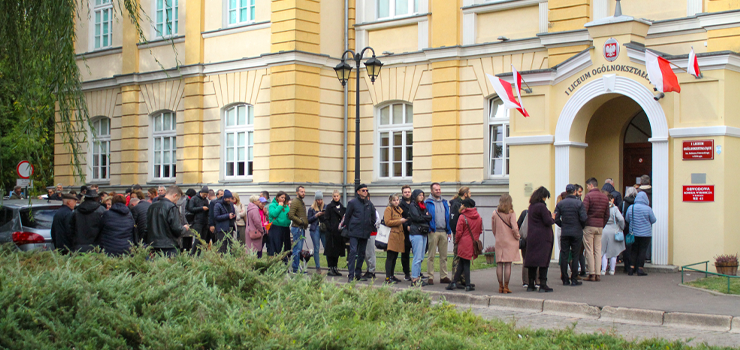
[(318, 238), (418, 245), (299, 235), (356, 257)]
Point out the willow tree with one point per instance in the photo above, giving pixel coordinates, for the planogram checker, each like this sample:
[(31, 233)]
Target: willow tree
[(40, 90)]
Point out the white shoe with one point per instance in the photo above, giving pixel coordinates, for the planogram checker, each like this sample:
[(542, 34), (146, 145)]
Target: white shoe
[(611, 272), (603, 272)]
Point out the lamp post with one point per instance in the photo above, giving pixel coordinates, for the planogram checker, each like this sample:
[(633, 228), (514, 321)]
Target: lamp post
[(343, 70)]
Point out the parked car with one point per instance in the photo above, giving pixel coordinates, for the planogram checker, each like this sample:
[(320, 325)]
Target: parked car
[(28, 224)]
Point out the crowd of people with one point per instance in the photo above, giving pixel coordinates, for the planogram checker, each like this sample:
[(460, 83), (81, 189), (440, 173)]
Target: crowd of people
[(594, 231)]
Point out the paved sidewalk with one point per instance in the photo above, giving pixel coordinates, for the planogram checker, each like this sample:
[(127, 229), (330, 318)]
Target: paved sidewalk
[(537, 320), (658, 291)]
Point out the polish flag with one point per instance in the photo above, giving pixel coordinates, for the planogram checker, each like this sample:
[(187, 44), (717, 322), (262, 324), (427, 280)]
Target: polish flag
[(503, 89), (660, 73), (518, 86), (693, 66)]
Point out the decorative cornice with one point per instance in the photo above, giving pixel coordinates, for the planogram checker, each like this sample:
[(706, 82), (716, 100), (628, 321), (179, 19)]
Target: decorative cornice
[(703, 131), (499, 5), (393, 22), (570, 144), (530, 140), (707, 61), (162, 42), (100, 53), (236, 29), (567, 38)]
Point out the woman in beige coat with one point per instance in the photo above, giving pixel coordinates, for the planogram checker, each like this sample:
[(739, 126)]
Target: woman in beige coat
[(241, 213), (506, 231), (396, 241)]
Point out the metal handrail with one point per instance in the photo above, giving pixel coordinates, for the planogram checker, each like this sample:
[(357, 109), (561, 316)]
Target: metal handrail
[(706, 273)]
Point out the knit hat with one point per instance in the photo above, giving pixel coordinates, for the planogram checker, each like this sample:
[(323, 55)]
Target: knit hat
[(204, 189), (318, 195), (468, 203), (359, 187), (190, 192), (570, 188), (227, 194)]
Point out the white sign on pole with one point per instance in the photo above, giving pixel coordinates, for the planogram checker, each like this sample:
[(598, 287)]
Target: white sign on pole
[(24, 169), (24, 182)]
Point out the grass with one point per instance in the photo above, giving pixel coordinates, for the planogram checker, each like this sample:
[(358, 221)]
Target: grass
[(236, 301), (717, 284)]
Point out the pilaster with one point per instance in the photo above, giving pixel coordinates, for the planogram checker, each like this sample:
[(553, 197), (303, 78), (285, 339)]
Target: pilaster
[(445, 120), (568, 14), (295, 25), (130, 95)]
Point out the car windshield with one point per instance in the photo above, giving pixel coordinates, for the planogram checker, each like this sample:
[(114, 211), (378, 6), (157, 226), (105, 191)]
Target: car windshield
[(41, 218)]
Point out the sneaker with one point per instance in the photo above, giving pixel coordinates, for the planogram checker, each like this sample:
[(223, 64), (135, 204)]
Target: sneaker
[(575, 283), (407, 277), (368, 275), (421, 275), (361, 278), (451, 286), (469, 288), (603, 272), (611, 272), (395, 279), (419, 283), (524, 285), (390, 281), (641, 272)]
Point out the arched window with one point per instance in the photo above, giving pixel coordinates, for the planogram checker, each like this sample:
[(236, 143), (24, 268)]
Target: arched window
[(396, 140), (101, 149), (164, 140), (498, 131), (239, 141)]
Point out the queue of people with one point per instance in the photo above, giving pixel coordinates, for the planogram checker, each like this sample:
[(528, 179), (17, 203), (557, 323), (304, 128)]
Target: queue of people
[(170, 222)]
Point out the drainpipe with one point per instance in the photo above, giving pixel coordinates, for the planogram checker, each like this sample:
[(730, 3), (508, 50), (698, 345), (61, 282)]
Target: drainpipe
[(346, 95)]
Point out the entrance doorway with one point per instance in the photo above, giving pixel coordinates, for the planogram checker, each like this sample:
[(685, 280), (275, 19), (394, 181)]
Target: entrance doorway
[(637, 152)]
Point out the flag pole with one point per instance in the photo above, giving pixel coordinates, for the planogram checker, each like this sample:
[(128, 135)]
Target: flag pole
[(528, 89)]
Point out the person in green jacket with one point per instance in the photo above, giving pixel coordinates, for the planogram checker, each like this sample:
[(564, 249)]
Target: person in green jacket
[(279, 234)]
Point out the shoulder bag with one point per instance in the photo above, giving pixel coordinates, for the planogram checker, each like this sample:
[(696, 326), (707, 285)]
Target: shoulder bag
[(344, 231), (619, 236), (523, 233), (630, 237), (477, 244), (253, 232)]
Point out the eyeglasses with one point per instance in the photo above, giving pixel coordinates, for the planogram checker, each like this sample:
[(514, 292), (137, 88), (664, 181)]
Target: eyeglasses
[(363, 190)]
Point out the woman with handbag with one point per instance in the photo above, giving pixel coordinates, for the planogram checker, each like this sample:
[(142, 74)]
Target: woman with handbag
[(540, 239), (612, 239), (418, 232), (315, 213), (506, 232), (393, 218), (641, 219), (334, 245), (254, 230), (467, 238)]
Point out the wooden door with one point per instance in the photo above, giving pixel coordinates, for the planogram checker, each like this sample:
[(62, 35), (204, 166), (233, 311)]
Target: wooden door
[(638, 161)]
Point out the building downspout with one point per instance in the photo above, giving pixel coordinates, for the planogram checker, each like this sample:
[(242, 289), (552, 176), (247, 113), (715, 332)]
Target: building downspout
[(346, 96)]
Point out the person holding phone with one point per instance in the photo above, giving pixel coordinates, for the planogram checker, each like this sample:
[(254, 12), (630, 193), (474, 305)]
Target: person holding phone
[(280, 225)]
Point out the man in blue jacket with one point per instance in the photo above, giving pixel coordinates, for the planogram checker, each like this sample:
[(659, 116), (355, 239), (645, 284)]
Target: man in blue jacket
[(224, 217), (439, 232), (360, 220)]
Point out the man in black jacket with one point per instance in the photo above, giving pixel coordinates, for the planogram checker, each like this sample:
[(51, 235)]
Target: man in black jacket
[(609, 187), (198, 205), (139, 210), (360, 220), (570, 215), (163, 223), (61, 226), (87, 222)]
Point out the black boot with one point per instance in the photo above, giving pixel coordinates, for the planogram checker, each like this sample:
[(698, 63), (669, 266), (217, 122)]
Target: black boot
[(336, 272), (530, 286), (451, 286), (543, 286)]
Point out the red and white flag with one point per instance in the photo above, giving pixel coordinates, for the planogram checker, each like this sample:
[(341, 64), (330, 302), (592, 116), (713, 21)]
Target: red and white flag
[(503, 89), (518, 86), (660, 73), (693, 66)]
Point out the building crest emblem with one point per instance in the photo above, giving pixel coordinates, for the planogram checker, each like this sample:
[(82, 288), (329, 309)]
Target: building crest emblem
[(611, 49)]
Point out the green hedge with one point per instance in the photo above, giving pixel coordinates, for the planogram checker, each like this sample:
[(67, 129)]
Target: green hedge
[(235, 301)]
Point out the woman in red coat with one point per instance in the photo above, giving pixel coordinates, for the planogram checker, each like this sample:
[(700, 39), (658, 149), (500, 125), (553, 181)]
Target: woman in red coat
[(539, 239), (469, 228)]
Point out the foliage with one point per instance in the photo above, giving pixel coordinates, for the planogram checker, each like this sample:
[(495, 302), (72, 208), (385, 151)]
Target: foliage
[(726, 260), (718, 284), (40, 89), (91, 301)]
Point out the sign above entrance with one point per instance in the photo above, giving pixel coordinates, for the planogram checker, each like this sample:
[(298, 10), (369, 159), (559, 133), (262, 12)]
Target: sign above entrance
[(703, 193), (605, 69), (611, 49), (698, 150)]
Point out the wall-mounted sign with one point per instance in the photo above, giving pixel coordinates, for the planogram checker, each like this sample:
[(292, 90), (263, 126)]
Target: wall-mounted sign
[(611, 49), (698, 150), (703, 193), (605, 69)]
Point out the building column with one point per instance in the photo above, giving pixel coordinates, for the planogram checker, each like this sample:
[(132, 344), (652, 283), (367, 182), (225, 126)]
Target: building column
[(190, 143), (130, 155), (445, 121)]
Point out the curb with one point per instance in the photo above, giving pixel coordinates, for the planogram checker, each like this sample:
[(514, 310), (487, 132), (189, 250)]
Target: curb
[(516, 303), (709, 322), (633, 316), (570, 309), (709, 291)]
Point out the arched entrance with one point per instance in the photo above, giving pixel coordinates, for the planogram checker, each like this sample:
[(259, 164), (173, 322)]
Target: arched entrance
[(621, 96)]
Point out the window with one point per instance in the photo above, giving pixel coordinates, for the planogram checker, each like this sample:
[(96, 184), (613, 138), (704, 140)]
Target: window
[(101, 149), (241, 11), (396, 133), (103, 12), (165, 146), (167, 17), (396, 8), (498, 119), (239, 145)]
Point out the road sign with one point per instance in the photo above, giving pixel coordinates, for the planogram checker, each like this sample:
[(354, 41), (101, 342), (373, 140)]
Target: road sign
[(23, 182), (24, 169)]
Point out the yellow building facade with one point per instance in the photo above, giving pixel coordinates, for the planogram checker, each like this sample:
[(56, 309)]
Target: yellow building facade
[(241, 94)]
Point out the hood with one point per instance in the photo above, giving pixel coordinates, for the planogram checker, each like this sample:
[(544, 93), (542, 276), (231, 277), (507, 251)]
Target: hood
[(415, 194), (471, 213), (88, 207), (608, 187), (642, 198), (434, 200), (120, 208)]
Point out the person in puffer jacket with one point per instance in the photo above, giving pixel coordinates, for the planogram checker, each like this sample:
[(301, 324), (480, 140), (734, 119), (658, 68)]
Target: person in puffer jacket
[(641, 219), (86, 223), (117, 233)]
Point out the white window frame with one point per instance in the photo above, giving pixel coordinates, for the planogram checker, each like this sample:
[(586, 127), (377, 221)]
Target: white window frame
[(412, 8), (100, 149), (100, 8), (497, 117), (405, 127), (236, 7), (162, 135), (236, 128), (161, 19)]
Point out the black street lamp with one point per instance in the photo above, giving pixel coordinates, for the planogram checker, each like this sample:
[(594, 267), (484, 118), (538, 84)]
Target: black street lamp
[(343, 71)]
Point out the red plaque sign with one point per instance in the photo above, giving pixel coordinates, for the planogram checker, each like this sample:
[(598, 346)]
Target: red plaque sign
[(698, 193), (698, 150)]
